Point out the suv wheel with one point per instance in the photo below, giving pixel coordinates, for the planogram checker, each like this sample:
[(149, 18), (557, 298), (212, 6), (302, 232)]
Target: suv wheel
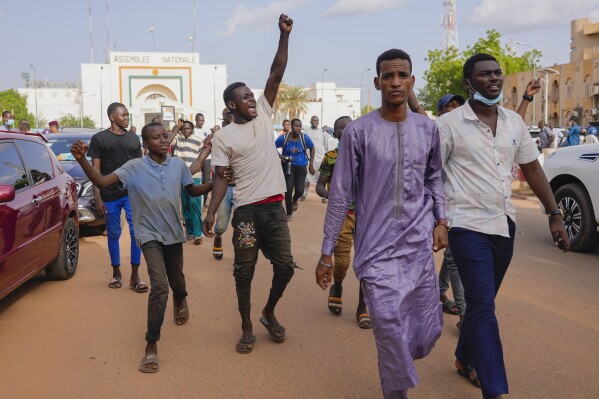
[(68, 254), (579, 217)]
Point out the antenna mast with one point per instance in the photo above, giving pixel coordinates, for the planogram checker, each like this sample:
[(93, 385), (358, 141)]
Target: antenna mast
[(450, 25)]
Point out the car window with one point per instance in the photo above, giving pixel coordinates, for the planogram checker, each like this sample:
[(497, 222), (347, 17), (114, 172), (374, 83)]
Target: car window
[(12, 170), (61, 147), (38, 161)]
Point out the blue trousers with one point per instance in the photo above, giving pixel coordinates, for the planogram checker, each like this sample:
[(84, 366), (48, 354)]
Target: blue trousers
[(192, 212), (113, 231), (482, 261), (223, 214)]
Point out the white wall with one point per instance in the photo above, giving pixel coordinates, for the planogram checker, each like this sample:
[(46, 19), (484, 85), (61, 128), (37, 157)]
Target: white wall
[(52, 103)]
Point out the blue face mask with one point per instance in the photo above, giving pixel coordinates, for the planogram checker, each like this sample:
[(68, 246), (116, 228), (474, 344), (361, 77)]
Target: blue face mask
[(10, 122), (487, 101)]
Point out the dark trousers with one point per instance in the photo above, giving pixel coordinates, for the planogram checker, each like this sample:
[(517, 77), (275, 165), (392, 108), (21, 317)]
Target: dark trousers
[(295, 180), (261, 227), (482, 261), (165, 267)]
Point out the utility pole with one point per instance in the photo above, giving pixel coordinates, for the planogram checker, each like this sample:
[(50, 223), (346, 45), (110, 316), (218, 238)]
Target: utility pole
[(91, 36)]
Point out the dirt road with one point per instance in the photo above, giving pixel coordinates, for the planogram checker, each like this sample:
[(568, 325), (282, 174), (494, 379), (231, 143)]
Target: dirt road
[(79, 339)]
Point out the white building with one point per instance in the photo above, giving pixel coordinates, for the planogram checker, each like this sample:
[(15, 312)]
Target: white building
[(329, 102), (52, 102)]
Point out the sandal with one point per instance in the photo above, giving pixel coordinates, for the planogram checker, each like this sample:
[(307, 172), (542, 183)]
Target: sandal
[(138, 286), (181, 314), (363, 320), (116, 282), (450, 307), (245, 346), (276, 334), (335, 303), (465, 371), (149, 359)]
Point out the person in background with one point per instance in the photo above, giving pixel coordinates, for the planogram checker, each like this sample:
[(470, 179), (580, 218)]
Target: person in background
[(286, 127), (53, 126), (8, 121), (573, 133), (24, 126), (592, 136), (323, 143)]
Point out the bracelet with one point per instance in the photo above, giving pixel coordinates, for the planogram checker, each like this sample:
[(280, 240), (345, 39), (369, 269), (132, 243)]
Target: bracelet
[(528, 98), (325, 264)]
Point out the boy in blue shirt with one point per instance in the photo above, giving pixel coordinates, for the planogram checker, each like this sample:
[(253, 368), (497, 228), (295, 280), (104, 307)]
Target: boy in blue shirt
[(154, 183), (295, 146)]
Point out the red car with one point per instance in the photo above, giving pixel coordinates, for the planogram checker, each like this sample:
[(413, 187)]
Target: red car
[(38, 213)]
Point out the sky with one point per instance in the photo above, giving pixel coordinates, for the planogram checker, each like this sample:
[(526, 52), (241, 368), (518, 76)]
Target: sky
[(343, 36)]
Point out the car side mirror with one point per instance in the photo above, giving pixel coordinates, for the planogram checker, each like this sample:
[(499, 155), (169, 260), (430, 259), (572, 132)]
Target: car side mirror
[(7, 193)]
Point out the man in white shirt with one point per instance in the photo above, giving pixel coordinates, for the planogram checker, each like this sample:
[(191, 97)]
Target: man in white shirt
[(480, 141), (323, 143), (259, 221)]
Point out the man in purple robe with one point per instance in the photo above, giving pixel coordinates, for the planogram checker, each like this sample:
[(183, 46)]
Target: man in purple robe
[(389, 162)]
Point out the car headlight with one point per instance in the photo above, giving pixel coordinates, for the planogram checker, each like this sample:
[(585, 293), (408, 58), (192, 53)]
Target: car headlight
[(88, 189)]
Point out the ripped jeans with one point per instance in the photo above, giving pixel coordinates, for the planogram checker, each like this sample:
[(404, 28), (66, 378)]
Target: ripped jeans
[(261, 227)]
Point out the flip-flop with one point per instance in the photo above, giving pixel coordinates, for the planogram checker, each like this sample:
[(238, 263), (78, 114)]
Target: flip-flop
[(335, 302), (116, 282), (180, 313), (245, 346), (272, 332), (138, 286), (448, 307), (150, 358), (465, 372), (363, 320)]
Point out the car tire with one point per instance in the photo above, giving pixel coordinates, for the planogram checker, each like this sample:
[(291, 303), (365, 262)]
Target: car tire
[(68, 254), (579, 217)]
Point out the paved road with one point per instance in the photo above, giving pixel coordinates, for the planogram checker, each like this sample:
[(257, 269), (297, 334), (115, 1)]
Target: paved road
[(79, 339)]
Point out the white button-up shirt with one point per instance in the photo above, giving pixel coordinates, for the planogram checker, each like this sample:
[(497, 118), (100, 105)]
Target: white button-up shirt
[(477, 167)]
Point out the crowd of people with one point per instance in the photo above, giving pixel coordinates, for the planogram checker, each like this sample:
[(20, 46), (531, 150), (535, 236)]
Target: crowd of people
[(399, 187)]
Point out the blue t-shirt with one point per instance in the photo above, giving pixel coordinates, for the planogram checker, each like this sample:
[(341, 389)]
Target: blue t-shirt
[(573, 135), (295, 150)]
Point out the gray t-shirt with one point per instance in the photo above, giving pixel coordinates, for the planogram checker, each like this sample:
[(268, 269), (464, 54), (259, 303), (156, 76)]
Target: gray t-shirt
[(155, 195)]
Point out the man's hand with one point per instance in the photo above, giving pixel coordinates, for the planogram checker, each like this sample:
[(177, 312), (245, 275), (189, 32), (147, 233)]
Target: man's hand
[(229, 175), (324, 274), (100, 207), (558, 232), (312, 170), (533, 87), (207, 225), (285, 23), (439, 237), (79, 149), (180, 123)]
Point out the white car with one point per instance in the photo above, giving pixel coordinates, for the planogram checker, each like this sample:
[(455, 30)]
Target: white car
[(573, 173)]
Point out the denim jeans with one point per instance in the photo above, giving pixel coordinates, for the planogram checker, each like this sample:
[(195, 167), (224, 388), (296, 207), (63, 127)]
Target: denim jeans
[(165, 268), (113, 231), (223, 214), (295, 181), (449, 273), (192, 212), (261, 228), (482, 261)]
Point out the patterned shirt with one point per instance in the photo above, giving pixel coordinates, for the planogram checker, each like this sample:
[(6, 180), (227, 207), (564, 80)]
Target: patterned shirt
[(477, 167), (188, 149), (546, 136), (326, 169)]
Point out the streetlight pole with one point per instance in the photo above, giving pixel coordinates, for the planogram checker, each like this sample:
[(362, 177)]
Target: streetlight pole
[(547, 71), (534, 72), (322, 96), (361, 77), (151, 30), (214, 91), (35, 94)]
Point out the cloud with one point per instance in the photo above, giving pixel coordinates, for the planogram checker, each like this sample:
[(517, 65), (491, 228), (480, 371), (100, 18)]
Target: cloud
[(260, 18), (519, 16), (343, 8)]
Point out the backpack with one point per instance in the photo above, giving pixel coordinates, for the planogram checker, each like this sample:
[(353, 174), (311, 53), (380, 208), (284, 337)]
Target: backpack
[(302, 140)]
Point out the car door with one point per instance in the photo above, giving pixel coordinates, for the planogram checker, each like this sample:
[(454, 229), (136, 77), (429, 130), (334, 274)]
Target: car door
[(21, 241), (48, 197)]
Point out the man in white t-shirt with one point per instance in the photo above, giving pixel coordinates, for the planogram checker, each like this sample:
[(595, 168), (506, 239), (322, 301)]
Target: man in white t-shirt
[(247, 146), (323, 143), (202, 134), (559, 135)]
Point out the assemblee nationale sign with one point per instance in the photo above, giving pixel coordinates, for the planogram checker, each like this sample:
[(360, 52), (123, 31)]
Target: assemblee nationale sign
[(155, 58)]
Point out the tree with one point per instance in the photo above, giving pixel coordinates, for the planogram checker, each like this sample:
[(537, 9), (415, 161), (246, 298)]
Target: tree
[(445, 70), (366, 109), (293, 101), (15, 102), (70, 120)]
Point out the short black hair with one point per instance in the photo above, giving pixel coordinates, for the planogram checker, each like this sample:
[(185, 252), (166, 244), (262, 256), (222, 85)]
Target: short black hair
[(574, 119), (295, 119), (190, 123), (5, 113), (286, 120), (470, 62), (228, 93), (146, 130), (392, 54), (199, 114), (113, 107), (339, 119)]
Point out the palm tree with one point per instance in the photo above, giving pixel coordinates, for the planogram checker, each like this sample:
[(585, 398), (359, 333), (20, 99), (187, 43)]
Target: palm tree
[(283, 88), (293, 101)]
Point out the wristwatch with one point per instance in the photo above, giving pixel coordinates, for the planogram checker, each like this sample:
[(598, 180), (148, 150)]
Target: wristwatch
[(557, 212), (528, 98)]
